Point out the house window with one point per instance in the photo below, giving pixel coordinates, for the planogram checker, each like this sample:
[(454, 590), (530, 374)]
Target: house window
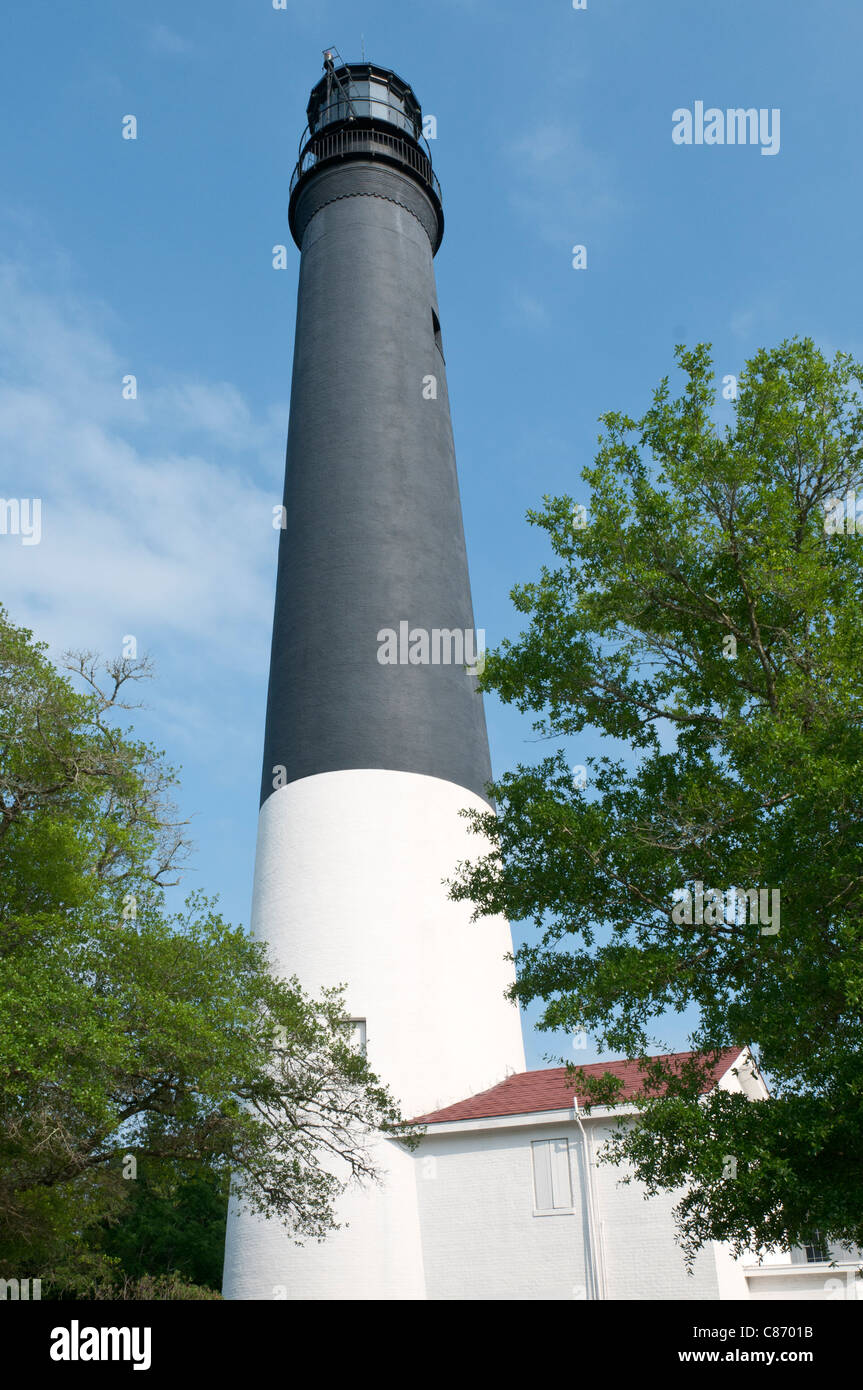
[(816, 1253), (552, 1178)]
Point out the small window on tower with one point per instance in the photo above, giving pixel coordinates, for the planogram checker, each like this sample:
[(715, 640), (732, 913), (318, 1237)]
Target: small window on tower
[(438, 341), (355, 1034)]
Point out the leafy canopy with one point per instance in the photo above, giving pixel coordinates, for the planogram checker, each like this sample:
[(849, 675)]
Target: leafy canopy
[(128, 1031), (705, 617)]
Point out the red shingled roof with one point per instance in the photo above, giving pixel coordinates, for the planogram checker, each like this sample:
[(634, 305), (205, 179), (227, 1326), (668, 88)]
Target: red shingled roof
[(530, 1091)]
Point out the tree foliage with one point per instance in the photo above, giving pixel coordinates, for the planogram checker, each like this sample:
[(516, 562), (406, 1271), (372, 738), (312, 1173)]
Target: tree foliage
[(128, 1031), (707, 619)]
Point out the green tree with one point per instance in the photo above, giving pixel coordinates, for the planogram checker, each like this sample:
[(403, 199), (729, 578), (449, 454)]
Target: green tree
[(173, 1224), (128, 1032), (710, 617)]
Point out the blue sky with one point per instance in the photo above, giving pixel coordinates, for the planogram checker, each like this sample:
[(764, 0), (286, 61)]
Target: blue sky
[(153, 257)]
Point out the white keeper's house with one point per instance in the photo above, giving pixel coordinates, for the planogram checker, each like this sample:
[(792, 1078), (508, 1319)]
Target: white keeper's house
[(514, 1205)]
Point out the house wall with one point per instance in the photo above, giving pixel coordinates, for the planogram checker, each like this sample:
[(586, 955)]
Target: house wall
[(482, 1240), (812, 1283), (480, 1237), (643, 1259)]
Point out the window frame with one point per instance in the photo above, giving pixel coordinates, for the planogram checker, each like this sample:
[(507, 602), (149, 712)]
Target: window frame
[(535, 1144)]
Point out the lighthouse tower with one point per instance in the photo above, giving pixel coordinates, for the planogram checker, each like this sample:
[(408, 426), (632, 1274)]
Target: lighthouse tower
[(375, 734)]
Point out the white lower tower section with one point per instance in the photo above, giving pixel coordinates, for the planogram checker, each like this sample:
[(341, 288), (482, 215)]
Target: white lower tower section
[(349, 889)]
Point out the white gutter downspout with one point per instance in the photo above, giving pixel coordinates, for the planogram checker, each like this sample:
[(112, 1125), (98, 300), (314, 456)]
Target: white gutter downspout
[(595, 1241)]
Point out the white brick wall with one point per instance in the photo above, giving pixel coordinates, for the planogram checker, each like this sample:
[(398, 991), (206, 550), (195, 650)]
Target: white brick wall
[(481, 1239), (643, 1259), (812, 1284)]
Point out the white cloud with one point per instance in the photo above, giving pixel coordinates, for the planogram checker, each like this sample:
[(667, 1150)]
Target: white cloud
[(530, 311), (165, 40), (562, 187), (173, 544)]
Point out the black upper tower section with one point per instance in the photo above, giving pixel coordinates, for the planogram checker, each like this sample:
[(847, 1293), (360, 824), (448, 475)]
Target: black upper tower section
[(372, 538)]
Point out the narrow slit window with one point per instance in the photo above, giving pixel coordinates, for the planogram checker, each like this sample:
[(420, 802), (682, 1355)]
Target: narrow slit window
[(438, 340)]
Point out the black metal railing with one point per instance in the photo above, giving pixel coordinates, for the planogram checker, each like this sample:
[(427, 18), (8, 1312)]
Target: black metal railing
[(365, 141)]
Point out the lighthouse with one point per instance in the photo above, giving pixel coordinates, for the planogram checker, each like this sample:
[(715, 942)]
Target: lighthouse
[(375, 734)]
